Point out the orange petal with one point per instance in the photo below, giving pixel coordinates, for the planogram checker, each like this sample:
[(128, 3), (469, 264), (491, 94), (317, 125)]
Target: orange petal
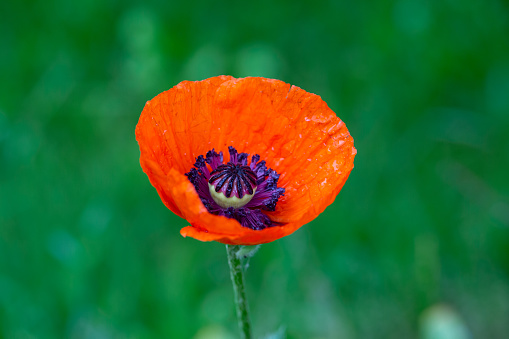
[(297, 134)]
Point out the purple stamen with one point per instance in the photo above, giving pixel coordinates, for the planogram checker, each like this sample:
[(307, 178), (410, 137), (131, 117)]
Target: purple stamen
[(235, 189)]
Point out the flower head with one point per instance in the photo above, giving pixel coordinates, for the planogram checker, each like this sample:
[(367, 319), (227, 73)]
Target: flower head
[(295, 156)]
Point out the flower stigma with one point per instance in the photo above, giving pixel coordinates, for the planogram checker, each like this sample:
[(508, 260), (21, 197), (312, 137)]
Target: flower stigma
[(238, 190), (232, 185)]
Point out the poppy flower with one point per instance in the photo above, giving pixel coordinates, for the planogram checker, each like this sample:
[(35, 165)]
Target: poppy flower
[(244, 161)]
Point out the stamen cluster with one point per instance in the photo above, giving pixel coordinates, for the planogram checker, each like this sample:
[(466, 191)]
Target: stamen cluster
[(235, 189)]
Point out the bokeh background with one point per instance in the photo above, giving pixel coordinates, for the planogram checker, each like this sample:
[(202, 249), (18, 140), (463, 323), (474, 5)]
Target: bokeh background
[(415, 246)]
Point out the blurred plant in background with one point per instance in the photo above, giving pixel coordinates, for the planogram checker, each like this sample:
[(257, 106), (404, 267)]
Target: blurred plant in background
[(88, 251)]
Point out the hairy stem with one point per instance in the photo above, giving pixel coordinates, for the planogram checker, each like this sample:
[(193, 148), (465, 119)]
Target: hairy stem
[(237, 276)]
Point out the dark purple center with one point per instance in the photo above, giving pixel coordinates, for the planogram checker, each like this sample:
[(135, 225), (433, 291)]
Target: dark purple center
[(238, 190)]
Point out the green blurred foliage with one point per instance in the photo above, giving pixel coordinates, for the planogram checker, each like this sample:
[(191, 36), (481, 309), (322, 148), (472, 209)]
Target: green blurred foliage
[(416, 244)]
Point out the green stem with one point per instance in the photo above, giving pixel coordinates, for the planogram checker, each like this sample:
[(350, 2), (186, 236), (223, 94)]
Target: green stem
[(237, 275)]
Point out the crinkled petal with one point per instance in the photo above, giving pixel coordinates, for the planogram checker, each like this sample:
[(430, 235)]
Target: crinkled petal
[(297, 134), (248, 237)]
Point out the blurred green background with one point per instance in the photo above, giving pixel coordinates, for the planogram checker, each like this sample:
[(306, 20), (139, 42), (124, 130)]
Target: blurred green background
[(415, 246)]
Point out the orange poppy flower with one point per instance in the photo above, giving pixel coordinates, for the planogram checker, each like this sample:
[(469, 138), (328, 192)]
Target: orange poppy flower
[(296, 156)]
